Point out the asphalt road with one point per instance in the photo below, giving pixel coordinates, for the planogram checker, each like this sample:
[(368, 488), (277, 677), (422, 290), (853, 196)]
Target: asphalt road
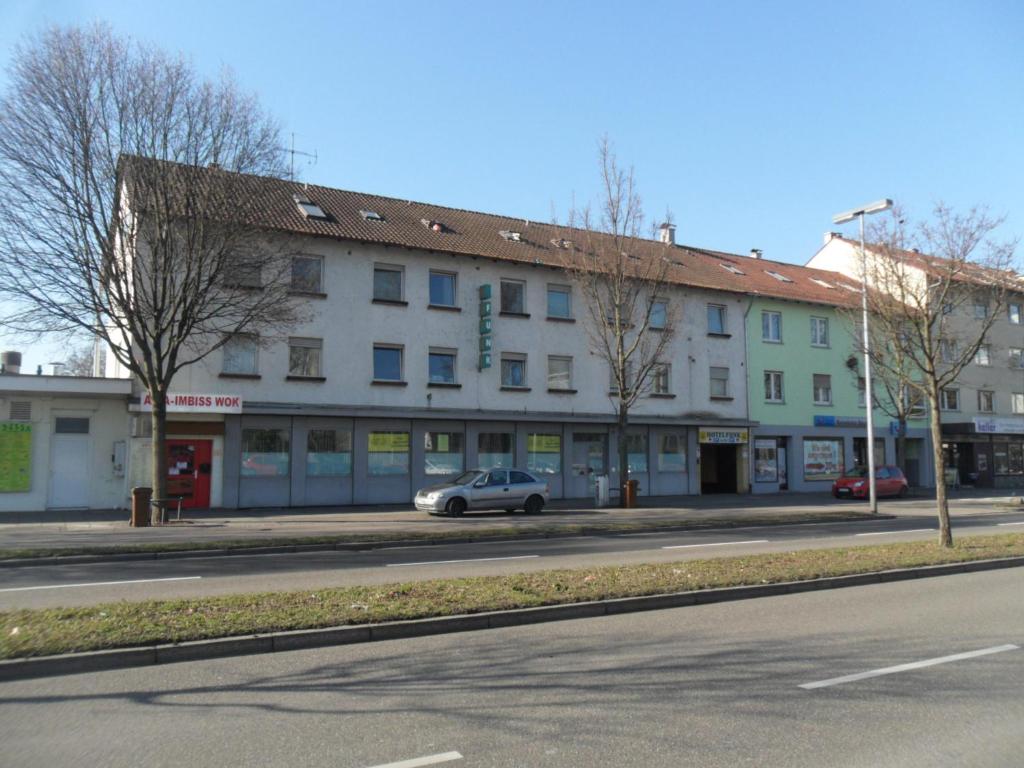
[(715, 685), (87, 584)]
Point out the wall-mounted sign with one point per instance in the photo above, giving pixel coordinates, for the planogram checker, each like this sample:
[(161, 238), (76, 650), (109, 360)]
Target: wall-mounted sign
[(991, 425), (389, 442), (485, 327), (15, 456), (723, 436), (840, 421), (186, 402)]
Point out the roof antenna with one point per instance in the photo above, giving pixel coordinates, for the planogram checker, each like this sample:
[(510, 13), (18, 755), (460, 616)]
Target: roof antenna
[(292, 152)]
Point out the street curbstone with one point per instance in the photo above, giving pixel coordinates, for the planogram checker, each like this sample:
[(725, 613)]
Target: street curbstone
[(212, 649), (650, 603), (545, 613), (420, 627), (76, 663), (320, 638), (195, 553)]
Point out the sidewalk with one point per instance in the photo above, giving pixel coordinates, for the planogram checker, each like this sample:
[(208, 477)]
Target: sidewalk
[(91, 528)]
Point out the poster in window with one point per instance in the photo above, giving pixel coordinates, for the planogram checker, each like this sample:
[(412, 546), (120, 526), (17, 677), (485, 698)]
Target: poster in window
[(766, 461), (823, 459), (15, 456)]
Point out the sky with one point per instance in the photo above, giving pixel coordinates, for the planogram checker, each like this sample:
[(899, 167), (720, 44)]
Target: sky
[(752, 123)]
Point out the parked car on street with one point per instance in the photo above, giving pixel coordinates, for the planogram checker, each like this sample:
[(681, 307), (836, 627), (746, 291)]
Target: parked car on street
[(508, 489), (889, 481)]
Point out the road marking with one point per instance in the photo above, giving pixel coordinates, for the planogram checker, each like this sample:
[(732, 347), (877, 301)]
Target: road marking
[(890, 533), (445, 757), (100, 583), (469, 560), (908, 667), (1021, 523), (717, 544)]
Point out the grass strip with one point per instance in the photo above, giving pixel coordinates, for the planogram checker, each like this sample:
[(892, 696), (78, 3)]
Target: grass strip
[(569, 529), (123, 624)]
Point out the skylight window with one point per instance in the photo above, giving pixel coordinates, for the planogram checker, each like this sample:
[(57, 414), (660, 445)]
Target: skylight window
[(733, 269), (777, 276), (433, 226), (822, 283), (371, 216), (561, 242), (308, 208), (508, 234)]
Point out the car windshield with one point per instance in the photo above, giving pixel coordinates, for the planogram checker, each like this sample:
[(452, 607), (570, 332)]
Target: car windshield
[(466, 478), (856, 472)]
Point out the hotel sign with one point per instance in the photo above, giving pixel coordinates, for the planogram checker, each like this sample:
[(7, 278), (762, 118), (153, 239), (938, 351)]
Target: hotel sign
[(723, 436)]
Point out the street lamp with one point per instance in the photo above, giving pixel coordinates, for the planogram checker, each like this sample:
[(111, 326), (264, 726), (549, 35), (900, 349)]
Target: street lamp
[(843, 218)]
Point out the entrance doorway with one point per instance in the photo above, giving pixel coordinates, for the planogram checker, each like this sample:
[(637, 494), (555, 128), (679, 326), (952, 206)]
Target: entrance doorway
[(588, 461), (717, 468), (69, 463), (189, 465)]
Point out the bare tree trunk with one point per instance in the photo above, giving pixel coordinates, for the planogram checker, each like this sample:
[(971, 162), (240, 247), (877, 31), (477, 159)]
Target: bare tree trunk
[(941, 501), (901, 447), (159, 452), (623, 452)]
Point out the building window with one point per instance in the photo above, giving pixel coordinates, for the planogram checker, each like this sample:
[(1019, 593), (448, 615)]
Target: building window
[(661, 379), (70, 425), (986, 401), (949, 400), (241, 355), (442, 366), (560, 301), (1013, 312), (387, 363), (442, 289), (823, 459), (387, 453), (513, 370), (442, 453), (948, 350), (773, 386), (328, 453), (1016, 357), (822, 389), (559, 372), (613, 382), (387, 282), (716, 318), (265, 452), (495, 449), (659, 315), (304, 357), (672, 453), (984, 355), (719, 382), (513, 297), (819, 331), (636, 452), (771, 327), (980, 310), (544, 453), (1017, 402), (307, 274)]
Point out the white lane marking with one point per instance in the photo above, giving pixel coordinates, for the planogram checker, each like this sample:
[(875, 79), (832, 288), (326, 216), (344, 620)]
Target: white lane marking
[(469, 560), (100, 583), (907, 667), (445, 757), (717, 544), (891, 533), (1020, 523)]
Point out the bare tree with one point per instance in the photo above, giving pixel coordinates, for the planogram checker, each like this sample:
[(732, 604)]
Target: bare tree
[(115, 219), (80, 361), (622, 279), (922, 278)]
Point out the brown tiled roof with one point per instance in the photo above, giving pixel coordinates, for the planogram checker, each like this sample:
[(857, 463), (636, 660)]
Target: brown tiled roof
[(271, 204)]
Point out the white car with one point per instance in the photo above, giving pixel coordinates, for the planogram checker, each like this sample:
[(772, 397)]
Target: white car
[(508, 489)]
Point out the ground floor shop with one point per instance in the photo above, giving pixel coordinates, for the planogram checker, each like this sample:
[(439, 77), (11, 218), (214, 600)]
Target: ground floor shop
[(809, 458), (987, 452)]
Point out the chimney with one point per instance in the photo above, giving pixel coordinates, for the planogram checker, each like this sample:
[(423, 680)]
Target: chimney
[(830, 236), (755, 253), (667, 233), (11, 362)]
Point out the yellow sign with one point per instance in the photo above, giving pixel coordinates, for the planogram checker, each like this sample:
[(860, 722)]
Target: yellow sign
[(544, 443), (389, 442), (15, 456), (723, 436)]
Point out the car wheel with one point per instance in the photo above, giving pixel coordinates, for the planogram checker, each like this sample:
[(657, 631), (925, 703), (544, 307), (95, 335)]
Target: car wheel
[(455, 507), (534, 505)]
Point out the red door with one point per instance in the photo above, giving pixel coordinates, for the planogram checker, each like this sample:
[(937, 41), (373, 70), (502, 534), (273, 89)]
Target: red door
[(189, 465)]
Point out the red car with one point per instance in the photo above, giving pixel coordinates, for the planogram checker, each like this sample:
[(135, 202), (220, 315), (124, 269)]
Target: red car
[(889, 481)]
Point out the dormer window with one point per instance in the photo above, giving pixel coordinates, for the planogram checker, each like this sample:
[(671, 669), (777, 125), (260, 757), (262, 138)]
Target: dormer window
[(371, 216), (514, 237), (433, 226), (308, 208), (730, 268), (777, 276)]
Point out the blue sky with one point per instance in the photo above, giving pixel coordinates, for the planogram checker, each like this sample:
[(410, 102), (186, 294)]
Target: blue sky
[(753, 122)]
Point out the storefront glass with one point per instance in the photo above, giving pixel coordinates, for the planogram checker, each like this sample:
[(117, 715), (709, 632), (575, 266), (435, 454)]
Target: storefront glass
[(823, 459), (442, 453), (544, 453), (329, 453), (495, 449), (672, 453), (265, 453), (766, 460), (388, 453), (636, 452)]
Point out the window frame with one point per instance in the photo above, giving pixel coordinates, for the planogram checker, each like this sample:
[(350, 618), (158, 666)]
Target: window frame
[(561, 359), (514, 357), (1010, 314), (988, 355), (767, 315), (944, 399), (661, 379), (770, 376), (815, 388), (817, 323), (433, 352), (455, 288), (664, 314), (562, 289), (382, 267), (712, 378), (1017, 402), (991, 401), (307, 343), (255, 355), (722, 311), (400, 349), (521, 284), (319, 289)]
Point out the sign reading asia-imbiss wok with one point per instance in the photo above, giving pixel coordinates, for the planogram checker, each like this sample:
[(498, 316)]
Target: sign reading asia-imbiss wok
[(187, 402)]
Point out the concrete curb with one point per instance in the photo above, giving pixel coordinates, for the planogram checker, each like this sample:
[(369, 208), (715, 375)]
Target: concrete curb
[(95, 661), (356, 546)]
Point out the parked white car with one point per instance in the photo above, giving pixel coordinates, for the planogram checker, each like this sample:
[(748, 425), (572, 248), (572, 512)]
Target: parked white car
[(508, 489)]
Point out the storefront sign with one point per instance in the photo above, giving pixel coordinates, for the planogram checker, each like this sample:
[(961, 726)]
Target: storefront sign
[(544, 443), (389, 442), (723, 436), (991, 425), (484, 361), (189, 403), (840, 421), (15, 456), (823, 459)]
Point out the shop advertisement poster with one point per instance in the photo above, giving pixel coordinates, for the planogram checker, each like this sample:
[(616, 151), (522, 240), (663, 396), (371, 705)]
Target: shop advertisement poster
[(15, 456), (766, 461), (823, 459)]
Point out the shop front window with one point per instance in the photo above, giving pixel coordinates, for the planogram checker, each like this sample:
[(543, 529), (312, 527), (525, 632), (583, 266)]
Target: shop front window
[(672, 453), (823, 459), (766, 460), (442, 453), (544, 453), (495, 449), (636, 452), (265, 453), (388, 453), (329, 453)]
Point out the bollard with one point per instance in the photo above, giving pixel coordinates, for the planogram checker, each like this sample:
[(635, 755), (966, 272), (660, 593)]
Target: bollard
[(140, 507), (629, 493)]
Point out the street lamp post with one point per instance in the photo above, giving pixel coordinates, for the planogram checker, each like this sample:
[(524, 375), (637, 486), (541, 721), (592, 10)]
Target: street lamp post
[(843, 218)]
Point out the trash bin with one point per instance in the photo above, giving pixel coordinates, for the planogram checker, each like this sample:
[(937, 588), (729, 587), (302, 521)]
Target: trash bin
[(629, 493), (140, 507), (601, 491)]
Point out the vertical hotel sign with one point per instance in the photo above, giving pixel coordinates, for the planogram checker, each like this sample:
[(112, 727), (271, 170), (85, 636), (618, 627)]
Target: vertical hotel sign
[(485, 327), (15, 456)]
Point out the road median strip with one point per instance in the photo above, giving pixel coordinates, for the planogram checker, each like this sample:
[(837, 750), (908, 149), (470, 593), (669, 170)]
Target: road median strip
[(36, 643)]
